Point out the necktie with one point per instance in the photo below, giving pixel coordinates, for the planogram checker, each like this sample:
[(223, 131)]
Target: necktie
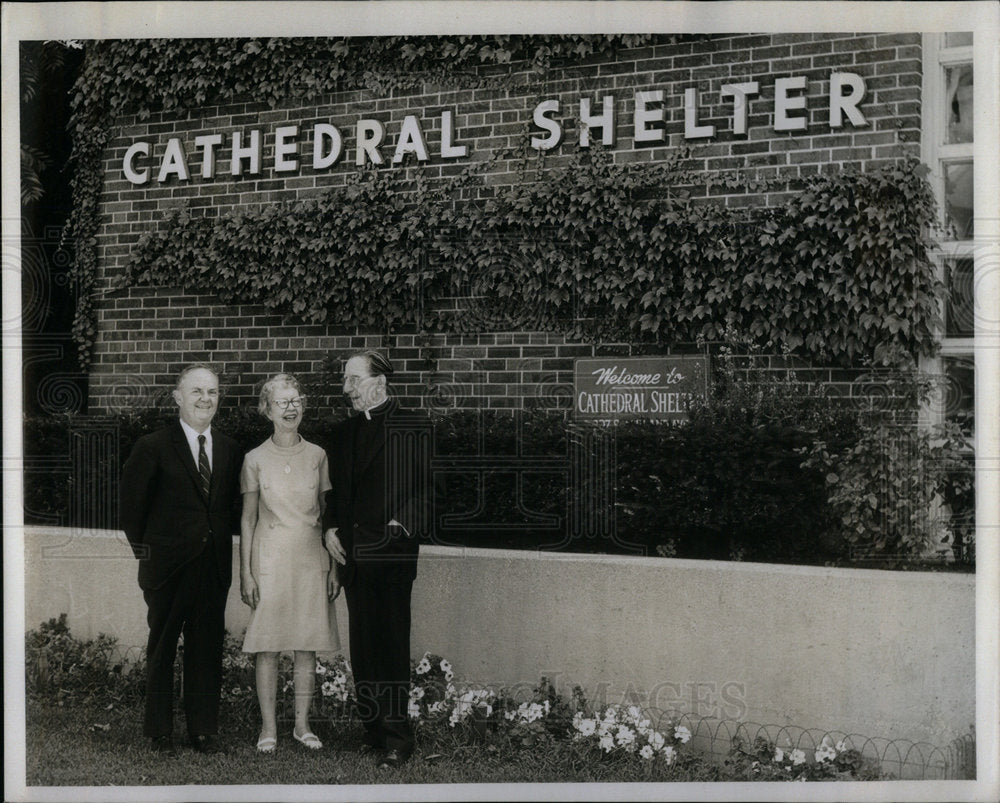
[(204, 469)]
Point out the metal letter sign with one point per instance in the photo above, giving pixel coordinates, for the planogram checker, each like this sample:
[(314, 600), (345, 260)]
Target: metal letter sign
[(651, 388)]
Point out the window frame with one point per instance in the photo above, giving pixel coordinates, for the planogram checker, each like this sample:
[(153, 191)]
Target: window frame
[(936, 153)]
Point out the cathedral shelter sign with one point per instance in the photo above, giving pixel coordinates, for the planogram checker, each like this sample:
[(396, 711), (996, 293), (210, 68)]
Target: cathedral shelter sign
[(652, 388)]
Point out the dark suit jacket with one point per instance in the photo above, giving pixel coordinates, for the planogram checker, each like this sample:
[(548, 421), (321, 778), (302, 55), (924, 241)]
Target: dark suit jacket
[(164, 514), (392, 484)]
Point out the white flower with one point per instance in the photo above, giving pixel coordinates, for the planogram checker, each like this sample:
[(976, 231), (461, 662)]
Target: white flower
[(607, 743), (424, 666), (669, 754), (587, 727), (626, 736), (327, 688), (237, 690), (646, 752), (413, 710), (657, 740), (682, 734), (779, 754), (822, 755), (634, 713), (436, 708), (529, 712), (470, 700), (320, 669), (798, 757), (416, 693), (446, 668), (825, 751), (841, 746)]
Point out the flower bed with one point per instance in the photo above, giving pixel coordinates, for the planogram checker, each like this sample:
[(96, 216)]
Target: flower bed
[(616, 741)]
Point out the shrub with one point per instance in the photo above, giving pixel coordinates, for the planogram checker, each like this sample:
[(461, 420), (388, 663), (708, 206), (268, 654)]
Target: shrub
[(893, 489), (727, 484), (46, 490), (488, 504), (730, 484), (60, 668), (768, 468), (883, 487)]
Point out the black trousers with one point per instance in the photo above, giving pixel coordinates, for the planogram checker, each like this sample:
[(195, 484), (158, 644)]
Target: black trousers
[(192, 601), (379, 629)]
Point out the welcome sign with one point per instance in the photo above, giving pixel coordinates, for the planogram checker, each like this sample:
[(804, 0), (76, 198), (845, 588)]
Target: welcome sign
[(651, 388)]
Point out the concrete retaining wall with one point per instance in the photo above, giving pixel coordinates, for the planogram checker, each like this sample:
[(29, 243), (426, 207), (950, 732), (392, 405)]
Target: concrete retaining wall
[(887, 654)]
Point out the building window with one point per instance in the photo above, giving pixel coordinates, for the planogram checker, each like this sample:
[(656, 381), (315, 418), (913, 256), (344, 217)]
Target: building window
[(947, 143), (947, 150)]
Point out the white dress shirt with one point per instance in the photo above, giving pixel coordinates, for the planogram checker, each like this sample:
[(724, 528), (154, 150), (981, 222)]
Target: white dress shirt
[(192, 439)]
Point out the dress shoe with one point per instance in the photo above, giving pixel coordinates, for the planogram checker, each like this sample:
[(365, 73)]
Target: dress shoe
[(371, 744), (206, 744), (393, 759), (164, 745)]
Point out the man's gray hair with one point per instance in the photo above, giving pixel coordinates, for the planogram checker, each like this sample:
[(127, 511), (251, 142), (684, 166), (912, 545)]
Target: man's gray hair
[(195, 366)]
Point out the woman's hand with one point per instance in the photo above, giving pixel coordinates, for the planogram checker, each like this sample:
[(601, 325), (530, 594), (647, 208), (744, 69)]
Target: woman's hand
[(332, 584), (248, 589), (332, 543)]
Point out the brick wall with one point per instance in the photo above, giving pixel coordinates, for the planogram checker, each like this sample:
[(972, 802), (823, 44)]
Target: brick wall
[(146, 334)]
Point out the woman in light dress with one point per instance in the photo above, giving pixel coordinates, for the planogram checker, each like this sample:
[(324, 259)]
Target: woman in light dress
[(285, 573)]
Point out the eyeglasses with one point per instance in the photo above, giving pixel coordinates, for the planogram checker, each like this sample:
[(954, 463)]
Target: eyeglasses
[(284, 404)]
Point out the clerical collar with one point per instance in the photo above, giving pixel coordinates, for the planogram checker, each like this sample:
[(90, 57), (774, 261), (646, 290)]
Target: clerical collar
[(378, 409)]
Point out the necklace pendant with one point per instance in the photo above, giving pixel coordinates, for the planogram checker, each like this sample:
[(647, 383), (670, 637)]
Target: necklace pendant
[(288, 469)]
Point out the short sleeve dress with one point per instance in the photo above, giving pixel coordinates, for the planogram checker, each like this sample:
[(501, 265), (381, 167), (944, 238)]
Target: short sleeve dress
[(287, 555)]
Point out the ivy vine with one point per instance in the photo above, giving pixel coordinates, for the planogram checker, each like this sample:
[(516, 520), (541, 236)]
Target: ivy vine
[(594, 249), (597, 250), (143, 76)]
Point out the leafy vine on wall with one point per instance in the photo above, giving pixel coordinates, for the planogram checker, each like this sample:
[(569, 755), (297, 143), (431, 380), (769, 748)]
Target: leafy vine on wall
[(143, 76), (598, 250)]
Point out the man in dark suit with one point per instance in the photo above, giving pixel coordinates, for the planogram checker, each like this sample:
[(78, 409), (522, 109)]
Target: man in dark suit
[(374, 515), (179, 510)]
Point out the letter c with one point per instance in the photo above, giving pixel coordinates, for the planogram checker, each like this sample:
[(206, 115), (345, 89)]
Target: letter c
[(133, 175)]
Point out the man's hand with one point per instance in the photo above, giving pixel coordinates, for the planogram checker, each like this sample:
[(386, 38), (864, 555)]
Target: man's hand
[(333, 546), (249, 590), (332, 584)]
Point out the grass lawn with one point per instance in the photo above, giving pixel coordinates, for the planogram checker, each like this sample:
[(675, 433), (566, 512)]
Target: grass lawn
[(68, 746)]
